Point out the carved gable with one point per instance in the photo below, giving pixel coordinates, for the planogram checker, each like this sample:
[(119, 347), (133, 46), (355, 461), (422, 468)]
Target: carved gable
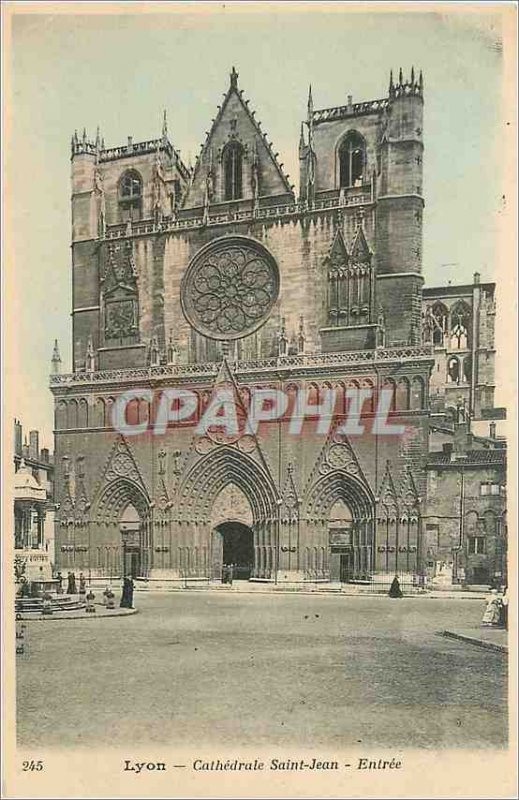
[(121, 464), (337, 454), (387, 496), (360, 252), (337, 257), (289, 498), (262, 174)]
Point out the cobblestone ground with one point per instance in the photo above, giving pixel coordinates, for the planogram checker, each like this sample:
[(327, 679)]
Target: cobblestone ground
[(250, 670)]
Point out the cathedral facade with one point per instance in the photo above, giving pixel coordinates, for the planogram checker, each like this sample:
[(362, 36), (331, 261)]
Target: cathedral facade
[(220, 276)]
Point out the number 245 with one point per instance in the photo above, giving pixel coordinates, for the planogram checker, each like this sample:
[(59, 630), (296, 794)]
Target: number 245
[(32, 766)]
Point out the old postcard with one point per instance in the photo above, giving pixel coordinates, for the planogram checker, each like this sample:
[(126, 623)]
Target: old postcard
[(260, 353)]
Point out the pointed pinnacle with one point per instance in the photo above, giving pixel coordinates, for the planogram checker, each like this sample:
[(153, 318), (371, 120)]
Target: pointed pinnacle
[(400, 77), (310, 104), (412, 76)]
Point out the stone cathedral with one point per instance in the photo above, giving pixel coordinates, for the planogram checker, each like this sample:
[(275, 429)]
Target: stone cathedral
[(220, 274)]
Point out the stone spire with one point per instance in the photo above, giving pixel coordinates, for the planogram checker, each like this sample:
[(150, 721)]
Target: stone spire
[(234, 79), (56, 359), (310, 104), (391, 84), (302, 143), (164, 126)]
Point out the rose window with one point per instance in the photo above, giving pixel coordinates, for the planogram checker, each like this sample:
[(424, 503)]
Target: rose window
[(229, 288)]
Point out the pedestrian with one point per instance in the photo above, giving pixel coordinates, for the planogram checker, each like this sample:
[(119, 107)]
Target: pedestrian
[(504, 609), (110, 599), (82, 584), (71, 583), (59, 578), (90, 607), (395, 590), (127, 594), (492, 613)]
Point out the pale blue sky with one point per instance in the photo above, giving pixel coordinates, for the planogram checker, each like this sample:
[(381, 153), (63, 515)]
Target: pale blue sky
[(121, 71)]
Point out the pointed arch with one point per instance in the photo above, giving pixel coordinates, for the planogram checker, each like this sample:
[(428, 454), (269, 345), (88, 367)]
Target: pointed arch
[(99, 412), (130, 195), (460, 325), (417, 396), (73, 414), (82, 413), (351, 159), (232, 163), (339, 485), (389, 383), (213, 472), (440, 322), (116, 496), (402, 394), (61, 416)]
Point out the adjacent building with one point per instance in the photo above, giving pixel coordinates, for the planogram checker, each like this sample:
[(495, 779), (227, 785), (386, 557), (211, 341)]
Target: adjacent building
[(33, 505), (465, 519), (459, 321)]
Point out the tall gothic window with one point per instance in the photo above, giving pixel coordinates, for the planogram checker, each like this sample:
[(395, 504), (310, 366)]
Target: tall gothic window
[(440, 317), (352, 155), (232, 168), (130, 196), (460, 326)]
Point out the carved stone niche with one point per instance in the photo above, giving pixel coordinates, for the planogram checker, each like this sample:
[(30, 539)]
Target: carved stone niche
[(119, 296)]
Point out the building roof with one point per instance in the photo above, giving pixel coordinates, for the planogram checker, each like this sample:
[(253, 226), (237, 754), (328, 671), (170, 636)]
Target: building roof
[(473, 458), (454, 289), (26, 487)]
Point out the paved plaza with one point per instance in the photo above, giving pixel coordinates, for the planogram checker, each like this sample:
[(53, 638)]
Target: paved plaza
[(210, 668)]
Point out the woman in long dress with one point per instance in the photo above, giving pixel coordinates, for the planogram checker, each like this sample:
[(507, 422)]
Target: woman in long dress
[(492, 615)]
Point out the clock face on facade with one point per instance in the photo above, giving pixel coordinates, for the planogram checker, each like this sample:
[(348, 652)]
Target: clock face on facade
[(230, 288)]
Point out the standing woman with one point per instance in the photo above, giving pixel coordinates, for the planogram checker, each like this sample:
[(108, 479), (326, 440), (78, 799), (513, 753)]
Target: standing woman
[(492, 614)]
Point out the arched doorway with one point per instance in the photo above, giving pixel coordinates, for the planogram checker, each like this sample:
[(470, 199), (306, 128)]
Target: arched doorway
[(130, 527), (123, 529), (340, 520), (235, 543), (229, 485), (340, 530)]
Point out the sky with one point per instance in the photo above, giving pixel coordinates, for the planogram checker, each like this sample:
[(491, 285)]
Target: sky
[(119, 71)]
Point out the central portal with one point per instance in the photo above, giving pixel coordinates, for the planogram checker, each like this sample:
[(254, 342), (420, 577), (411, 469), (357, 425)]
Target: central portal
[(238, 548)]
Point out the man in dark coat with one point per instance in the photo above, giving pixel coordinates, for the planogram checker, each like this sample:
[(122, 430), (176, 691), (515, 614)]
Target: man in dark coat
[(71, 583)]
